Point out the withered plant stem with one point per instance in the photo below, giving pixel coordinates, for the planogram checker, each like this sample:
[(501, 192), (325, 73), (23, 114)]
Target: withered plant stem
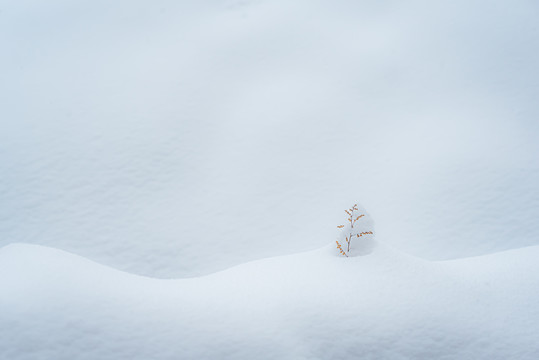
[(351, 227)]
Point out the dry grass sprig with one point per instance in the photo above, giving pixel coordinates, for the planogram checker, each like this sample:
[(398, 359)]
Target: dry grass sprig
[(340, 249), (352, 218)]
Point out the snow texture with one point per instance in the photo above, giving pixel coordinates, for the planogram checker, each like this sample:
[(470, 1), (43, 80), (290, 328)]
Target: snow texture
[(178, 138), (314, 305), (161, 160)]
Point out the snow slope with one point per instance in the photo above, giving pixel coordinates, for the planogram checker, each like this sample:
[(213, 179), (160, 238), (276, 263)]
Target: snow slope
[(177, 138), (314, 305)]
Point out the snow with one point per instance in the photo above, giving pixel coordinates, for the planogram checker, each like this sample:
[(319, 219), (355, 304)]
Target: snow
[(313, 305), (172, 175), (174, 139)]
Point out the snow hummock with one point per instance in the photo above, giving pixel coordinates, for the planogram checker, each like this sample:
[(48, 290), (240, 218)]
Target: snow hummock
[(312, 305)]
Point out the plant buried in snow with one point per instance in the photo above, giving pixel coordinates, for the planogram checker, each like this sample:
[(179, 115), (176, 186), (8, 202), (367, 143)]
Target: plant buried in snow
[(352, 218)]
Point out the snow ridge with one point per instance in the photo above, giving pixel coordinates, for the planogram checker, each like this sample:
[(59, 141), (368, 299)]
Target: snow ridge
[(313, 305)]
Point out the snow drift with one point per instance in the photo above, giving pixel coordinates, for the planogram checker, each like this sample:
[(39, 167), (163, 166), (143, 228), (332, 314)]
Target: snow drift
[(314, 305), (127, 125)]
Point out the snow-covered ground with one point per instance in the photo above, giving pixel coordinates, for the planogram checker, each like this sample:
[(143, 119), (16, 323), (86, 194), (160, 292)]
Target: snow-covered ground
[(314, 305), (177, 138), (172, 174)]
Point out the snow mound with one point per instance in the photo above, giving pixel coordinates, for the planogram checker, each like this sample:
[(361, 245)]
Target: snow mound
[(314, 305)]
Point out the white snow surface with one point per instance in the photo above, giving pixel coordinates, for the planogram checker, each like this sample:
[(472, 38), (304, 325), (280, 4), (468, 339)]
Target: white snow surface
[(162, 159), (178, 138), (314, 305)]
